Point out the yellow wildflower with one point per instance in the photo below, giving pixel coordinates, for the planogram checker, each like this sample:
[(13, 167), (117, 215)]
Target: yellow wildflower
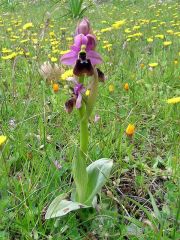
[(54, 59), (69, 38), (153, 65), (108, 46), (87, 92), (167, 43), (118, 24), (150, 40), (55, 87), (67, 74), (10, 56), (170, 31), (173, 100), (5, 50), (111, 87), (52, 34), (24, 40), (106, 29), (2, 139), (136, 27), (160, 36), (27, 26), (126, 86), (127, 30)]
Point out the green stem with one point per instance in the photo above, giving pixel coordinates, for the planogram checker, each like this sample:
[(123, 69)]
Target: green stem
[(79, 162), (84, 135)]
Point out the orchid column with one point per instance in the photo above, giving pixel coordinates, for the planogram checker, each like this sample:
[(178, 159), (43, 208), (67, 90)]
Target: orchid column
[(88, 180)]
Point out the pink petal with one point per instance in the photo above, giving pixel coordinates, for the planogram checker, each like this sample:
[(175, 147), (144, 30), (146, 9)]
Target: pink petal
[(69, 58), (94, 57), (91, 42), (78, 101), (80, 40)]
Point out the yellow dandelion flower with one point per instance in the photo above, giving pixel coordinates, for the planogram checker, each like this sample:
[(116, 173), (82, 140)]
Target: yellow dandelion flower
[(2, 139), (153, 65), (27, 26), (167, 43), (160, 36), (5, 50), (35, 40), (127, 30), (173, 100), (111, 88), (150, 40), (108, 46), (55, 51), (106, 29), (87, 92), (24, 40), (52, 34), (69, 38), (10, 56), (54, 59), (136, 27), (170, 31), (118, 24)]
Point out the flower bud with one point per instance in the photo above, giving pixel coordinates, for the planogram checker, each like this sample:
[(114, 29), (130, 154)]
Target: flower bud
[(130, 130), (69, 105), (83, 27), (55, 87), (49, 72)]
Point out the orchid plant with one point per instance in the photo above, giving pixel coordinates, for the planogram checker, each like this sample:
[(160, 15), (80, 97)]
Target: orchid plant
[(88, 179)]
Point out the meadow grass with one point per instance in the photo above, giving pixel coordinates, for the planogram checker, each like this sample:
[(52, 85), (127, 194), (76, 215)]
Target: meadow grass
[(141, 199)]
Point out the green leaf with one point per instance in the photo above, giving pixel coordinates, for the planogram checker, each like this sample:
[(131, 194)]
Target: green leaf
[(60, 207), (155, 207), (98, 173)]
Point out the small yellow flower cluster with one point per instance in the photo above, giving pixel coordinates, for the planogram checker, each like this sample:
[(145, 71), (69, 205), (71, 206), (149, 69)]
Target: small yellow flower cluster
[(67, 74), (118, 24)]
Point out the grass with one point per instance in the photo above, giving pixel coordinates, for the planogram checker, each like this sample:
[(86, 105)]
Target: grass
[(141, 200)]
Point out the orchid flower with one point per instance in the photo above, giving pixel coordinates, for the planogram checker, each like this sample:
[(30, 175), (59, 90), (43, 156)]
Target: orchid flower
[(89, 43), (76, 99)]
